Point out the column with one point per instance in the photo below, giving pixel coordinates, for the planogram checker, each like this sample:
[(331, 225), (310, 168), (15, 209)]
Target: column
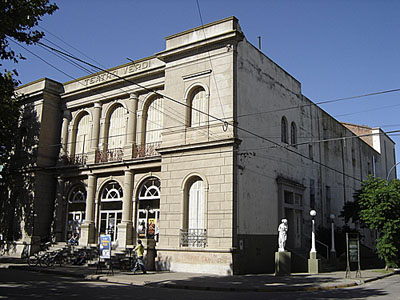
[(125, 228), (96, 130), (140, 136), (88, 228), (131, 130), (64, 132)]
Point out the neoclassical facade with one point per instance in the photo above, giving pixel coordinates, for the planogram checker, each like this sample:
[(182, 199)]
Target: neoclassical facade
[(200, 150)]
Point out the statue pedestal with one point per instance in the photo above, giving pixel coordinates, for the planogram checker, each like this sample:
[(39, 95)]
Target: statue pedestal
[(283, 262), (314, 264)]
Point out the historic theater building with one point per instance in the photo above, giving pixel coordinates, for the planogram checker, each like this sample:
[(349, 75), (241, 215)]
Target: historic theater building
[(201, 148)]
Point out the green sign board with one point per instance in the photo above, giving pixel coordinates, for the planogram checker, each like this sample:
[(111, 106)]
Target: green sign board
[(353, 250)]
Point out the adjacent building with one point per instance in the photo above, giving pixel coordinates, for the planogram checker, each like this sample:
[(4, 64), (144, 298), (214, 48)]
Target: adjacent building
[(200, 150)]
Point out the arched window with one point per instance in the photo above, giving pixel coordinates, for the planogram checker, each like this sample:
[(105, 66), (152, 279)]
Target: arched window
[(194, 233), (82, 139), (154, 121), (284, 130), (77, 195), (198, 107), (148, 214), (110, 209), (196, 201), (293, 134), (116, 128)]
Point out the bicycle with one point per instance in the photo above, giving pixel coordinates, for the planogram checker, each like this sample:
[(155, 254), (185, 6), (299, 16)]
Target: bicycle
[(37, 258), (54, 257)]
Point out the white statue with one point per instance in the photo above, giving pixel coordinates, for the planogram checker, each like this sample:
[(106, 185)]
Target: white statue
[(282, 229)]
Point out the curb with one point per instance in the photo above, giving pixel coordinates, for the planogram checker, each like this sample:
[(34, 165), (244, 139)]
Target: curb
[(48, 271), (99, 277), (265, 290)]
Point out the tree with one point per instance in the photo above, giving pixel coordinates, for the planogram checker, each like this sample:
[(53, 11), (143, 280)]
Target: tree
[(18, 18), (377, 205)]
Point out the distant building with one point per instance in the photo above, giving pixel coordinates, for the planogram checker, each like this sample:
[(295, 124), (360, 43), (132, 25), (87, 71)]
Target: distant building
[(203, 148)]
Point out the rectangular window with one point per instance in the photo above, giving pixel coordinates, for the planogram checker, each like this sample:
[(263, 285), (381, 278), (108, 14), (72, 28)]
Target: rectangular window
[(288, 196)]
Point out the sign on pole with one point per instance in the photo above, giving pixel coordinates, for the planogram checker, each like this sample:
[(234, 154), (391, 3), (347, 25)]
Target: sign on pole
[(353, 252)]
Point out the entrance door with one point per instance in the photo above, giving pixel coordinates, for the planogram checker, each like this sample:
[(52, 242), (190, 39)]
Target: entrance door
[(110, 214), (76, 211), (297, 228), (148, 220), (148, 209), (294, 217), (108, 223), (75, 220)]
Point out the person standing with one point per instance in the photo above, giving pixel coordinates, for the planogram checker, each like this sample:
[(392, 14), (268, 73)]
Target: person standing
[(139, 249)]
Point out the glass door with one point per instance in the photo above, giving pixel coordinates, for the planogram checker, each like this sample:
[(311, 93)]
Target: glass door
[(108, 223)]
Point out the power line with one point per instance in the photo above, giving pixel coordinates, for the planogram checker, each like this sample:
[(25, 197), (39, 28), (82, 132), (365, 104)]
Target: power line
[(209, 58), (37, 56), (321, 102), (206, 133), (180, 103)]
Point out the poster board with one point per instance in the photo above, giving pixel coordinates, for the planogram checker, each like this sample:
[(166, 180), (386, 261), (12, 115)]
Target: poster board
[(105, 246), (353, 253)]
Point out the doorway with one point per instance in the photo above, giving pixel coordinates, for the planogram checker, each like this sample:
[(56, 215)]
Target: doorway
[(110, 214)]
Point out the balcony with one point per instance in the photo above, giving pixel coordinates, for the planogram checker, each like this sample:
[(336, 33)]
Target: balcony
[(76, 159), (109, 155), (146, 150), (196, 238)]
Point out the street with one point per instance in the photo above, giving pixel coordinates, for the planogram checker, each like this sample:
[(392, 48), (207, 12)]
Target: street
[(18, 284)]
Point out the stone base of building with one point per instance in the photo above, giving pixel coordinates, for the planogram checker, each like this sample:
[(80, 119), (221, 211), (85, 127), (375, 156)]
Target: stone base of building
[(125, 235), (87, 234), (204, 262)]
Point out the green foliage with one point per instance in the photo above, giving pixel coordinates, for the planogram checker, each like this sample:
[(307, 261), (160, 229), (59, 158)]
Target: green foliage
[(9, 115), (17, 21), (18, 17), (379, 208)]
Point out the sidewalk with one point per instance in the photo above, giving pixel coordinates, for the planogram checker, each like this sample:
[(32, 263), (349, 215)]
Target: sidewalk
[(259, 283)]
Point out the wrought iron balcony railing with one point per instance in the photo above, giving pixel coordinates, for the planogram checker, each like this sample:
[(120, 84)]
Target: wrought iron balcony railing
[(115, 154), (146, 150), (76, 159), (193, 238)]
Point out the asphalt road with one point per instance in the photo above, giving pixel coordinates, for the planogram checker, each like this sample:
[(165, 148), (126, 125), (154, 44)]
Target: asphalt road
[(18, 284)]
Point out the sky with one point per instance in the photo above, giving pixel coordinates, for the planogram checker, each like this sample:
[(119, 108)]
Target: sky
[(335, 49)]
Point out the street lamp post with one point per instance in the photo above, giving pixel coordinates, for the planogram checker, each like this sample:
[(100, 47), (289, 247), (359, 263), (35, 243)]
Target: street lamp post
[(390, 171), (313, 262), (333, 250), (313, 213), (332, 256)]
